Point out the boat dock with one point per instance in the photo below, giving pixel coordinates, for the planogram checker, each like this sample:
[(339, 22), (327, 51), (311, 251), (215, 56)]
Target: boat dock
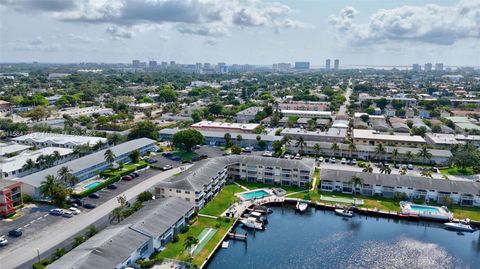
[(237, 236)]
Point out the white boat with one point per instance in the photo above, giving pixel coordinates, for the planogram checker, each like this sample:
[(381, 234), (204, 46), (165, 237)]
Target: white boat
[(252, 223), (344, 212), (302, 206), (459, 227), (225, 244)]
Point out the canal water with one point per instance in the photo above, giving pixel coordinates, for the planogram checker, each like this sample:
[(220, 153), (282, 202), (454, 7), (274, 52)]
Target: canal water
[(321, 239)]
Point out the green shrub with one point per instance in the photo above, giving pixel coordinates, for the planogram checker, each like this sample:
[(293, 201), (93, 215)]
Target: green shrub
[(27, 199), (146, 263), (175, 239), (185, 229), (41, 264)]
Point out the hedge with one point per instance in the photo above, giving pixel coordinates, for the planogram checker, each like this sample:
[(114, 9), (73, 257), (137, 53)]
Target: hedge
[(107, 182)]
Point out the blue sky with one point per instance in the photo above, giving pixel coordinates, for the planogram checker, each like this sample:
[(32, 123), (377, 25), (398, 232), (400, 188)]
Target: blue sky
[(358, 32)]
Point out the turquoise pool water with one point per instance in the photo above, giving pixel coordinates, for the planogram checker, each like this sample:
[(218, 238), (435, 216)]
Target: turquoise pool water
[(428, 209), (255, 194), (93, 184)]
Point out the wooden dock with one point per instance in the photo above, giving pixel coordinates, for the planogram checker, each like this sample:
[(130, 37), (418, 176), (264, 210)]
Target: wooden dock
[(237, 236)]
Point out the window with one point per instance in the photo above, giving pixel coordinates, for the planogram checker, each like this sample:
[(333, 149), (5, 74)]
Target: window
[(179, 191), (187, 192)]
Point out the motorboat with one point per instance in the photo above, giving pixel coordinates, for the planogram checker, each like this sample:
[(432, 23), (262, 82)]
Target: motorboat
[(260, 217), (344, 212), (252, 222), (459, 227), (262, 209), (301, 206)]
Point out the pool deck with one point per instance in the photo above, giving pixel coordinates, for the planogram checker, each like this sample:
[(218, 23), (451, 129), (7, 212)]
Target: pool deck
[(240, 194)]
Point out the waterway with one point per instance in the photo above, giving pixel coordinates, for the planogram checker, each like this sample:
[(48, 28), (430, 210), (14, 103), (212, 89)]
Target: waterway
[(320, 239)]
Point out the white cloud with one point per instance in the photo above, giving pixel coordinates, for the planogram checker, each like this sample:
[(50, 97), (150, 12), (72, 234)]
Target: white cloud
[(198, 17), (434, 24)]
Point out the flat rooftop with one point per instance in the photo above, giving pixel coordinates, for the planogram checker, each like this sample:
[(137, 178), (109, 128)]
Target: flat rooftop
[(59, 139), (15, 163), (374, 135), (306, 112), (332, 132), (225, 125)]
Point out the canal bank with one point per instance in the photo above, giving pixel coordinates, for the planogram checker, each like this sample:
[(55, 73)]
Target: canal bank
[(320, 239)]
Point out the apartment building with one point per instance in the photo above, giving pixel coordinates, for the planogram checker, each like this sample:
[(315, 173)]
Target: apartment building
[(373, 138), (204, 180), (307, 114), (334, 135), (41, 140), (226, 127), (138, 236), (466, 193), (304, 105), (10, 196), (247, 115), (88, 166)]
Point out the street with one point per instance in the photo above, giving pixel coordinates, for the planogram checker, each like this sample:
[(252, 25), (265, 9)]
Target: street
[(24, 252)]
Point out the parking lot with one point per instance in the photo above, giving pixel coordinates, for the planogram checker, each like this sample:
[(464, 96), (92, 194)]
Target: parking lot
[(36, 217)]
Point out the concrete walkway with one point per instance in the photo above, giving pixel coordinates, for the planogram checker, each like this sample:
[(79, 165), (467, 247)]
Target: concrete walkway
[(241, 186), (207, 216), (23, 254)]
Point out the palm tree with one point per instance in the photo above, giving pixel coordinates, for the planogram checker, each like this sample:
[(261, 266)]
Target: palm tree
[(424, 153), (56, 156), (122, 200), (109, 156), (426, 173), (385, 169), (300, 143), (117, 214), (351, 147), (402, 172), (239, 139), (368, 168), (395, 154), (189, 242), (286, 140), (356, 181), (380, 150), (65, 174), (29, 164), (48, 186), (410, 156), (335, 148), (317, 148)]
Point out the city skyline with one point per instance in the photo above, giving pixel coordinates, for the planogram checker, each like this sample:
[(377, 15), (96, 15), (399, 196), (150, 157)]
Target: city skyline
[(245, 32)]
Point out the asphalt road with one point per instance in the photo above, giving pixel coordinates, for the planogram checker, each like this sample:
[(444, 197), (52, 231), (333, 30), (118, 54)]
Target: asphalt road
[(24, 253)]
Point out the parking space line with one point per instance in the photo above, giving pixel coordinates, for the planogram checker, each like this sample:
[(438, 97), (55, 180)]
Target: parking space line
[(45, 215), (25, 226), (39, 218), (32, 221)]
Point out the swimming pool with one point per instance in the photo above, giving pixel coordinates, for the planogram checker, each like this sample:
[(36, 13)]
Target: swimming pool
[(429, 209), (93, 184), (254, 194)]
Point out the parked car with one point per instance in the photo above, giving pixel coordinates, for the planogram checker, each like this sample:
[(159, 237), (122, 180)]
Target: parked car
[(267, 154), (225, 154), (175, 158), (112, 187), (149, 160), (167, 167), (320, 159), (332, 160), (434, 169), (327, 160), (298, 157), (136, 174), (3, 242), (15, 233), (75, 202), (56, 211), (286, 156), (127, 178), (94, 196), (343, 161), (404, 167), (396, 165), (354, 161), (410, 166), (89, 206), (74, 210), (67, 214)]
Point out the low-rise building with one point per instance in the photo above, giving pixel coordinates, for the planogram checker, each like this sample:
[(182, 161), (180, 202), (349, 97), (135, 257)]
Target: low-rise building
[(88, 166), (466, 193), (333, 135), (226, 127), (10, 196), (218, 138), (372, 137), (304, 105), (307, 114), (204, 180), (41, 140), (138, 236), (5, 106), (247, 115)]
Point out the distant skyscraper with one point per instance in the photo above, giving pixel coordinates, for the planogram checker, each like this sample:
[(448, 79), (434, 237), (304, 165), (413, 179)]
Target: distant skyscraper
[(164, 65), (136, 63), (416, 67), (152, 64), (327, 64), (336, 64), (439, 67), (172, 64), (281, 67), (427, 67), (302, 65), (222, 68)]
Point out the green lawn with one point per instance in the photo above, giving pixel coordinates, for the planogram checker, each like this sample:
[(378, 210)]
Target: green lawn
[(125, 167), (456, 171), (222, 201), (259, 185), (177, 251), (184, 155)]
